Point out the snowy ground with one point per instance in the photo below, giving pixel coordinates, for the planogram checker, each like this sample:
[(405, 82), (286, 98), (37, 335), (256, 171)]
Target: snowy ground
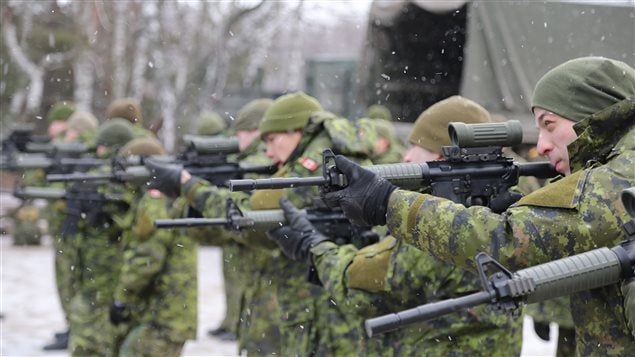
[(31, 310)]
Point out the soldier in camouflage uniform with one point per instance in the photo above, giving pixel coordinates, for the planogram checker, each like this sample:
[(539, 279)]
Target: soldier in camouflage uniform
[(391, 275), (57, 118), (155, 296), (380, 140), (130, 110), (295, 132), (252, 300), (585, 112), (98, 252)]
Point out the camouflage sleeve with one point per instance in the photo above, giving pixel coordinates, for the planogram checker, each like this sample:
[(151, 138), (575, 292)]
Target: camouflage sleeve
[(573, 215), (145, 255)]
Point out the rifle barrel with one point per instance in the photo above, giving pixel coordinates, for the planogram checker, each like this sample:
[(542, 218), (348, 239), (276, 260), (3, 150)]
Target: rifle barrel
[(190, 222)]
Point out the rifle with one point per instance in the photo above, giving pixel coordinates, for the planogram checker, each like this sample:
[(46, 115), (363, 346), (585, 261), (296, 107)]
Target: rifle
[(19, 138), (474, 171), (329, 222), (52, 157), (204, 157), (506, 291)]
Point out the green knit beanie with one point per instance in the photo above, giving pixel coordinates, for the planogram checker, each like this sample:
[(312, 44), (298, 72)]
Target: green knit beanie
[(584, 86), (210, 123), (431, 128), (378, 111), (114, 133), (289, 112), (251, 114), (60, 111), (126, 108)]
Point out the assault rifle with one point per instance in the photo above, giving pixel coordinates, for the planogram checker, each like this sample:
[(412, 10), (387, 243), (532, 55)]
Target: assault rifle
[(83, 201), (329, 222), (506, 291), (204, 157), (51, 157), (19, 138), (474, 171)]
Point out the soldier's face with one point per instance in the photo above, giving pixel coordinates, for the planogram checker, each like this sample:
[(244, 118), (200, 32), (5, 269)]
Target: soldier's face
[(246, 137), (418, 155), (280, 145), (554, 134)]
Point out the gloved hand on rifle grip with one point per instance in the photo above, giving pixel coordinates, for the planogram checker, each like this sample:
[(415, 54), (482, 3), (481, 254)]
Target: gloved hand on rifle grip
[(365, 199), (298, 236), (164, 177)]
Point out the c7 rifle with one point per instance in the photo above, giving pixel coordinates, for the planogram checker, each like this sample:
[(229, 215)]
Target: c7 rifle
[(507, 291), (474, 171)]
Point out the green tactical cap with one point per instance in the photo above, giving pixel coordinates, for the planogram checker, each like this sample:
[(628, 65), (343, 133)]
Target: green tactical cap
[(82, 121), (142, 147), (61, 110), (584, 86), (378, 111), (431, 127), (115, 132), (210, 123), (289, 112), (126, 108), (250, 116)]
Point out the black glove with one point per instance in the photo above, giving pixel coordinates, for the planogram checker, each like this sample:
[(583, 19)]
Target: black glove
[(365, 199), (298, 236), (118, 312), (164, 177)]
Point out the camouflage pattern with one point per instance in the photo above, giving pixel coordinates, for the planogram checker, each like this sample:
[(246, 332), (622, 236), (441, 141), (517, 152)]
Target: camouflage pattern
[(585, 207), (157, 281), (369, 131), (99, 247), (391, 276), (258, 330), (628, 291), (146, 341)]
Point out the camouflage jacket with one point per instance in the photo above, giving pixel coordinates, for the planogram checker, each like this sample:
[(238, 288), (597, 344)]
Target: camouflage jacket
[(578, 213), (391, 276), (158, 278)]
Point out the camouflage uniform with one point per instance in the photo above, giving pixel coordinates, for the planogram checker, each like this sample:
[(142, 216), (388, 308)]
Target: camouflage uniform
[(370, 130), (130, 110), (391, 276), (157, 283), (586, 206)]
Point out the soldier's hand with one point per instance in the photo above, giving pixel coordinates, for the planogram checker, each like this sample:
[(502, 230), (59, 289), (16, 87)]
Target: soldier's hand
[(164, 177), (297, 237), (365, 199), (118, 313)]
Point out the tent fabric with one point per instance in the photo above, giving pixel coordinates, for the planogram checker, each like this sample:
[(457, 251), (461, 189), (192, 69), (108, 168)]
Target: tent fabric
[(510, 45)]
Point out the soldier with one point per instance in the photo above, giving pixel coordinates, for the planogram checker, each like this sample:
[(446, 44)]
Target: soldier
[(97, 250), (81, 128), (381, 140), (386, 276), (585, 113), (57, 117), (130, 110), (237, 275), (295, 132), (155, 297), (378, 111), (251, 300)]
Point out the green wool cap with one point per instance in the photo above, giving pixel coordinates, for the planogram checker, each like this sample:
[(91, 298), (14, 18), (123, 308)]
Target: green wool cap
[(289, 112), (142, 147), (82, 121), (210, 123), (250, 116), (60, 111), (430, 131), (126, 108), (114, 133), (378, 111), (584, 86)]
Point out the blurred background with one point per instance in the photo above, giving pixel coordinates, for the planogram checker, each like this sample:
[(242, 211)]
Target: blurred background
[(183, 57)]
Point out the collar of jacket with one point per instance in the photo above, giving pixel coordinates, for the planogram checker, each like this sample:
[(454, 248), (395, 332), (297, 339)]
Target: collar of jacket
[(600, 135)]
